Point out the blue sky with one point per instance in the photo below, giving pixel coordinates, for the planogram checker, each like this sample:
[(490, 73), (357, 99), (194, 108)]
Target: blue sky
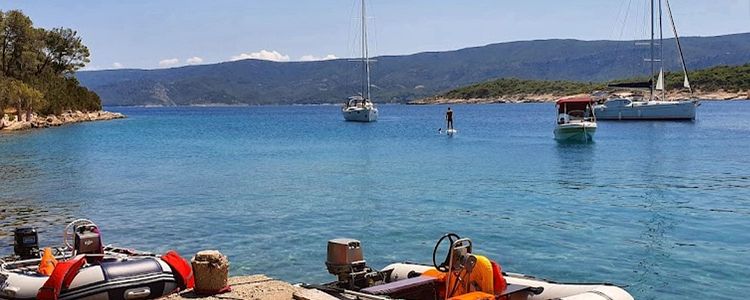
[(160, 33)]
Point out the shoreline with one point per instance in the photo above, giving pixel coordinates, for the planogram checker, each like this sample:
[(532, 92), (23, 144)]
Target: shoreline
[(55, 120), (549, 98), (256, 286)]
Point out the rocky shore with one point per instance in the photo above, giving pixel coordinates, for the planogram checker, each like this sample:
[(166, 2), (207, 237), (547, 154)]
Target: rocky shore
[(13, 123), (258, 287), (543, 98)]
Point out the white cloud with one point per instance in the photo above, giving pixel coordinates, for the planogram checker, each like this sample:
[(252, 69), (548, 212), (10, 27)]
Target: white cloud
[(262, 54), (310, 57), (194, 60), (117, 65), (168, 62)]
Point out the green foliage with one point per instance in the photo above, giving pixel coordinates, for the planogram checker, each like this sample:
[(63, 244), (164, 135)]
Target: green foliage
[(511, 86), (18, 94), (18, 42), (36, 67), (726, 78), (64, 93), (63, 51)]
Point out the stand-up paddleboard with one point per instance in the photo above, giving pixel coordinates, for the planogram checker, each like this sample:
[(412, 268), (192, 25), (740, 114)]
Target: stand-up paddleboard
[(451, 131)]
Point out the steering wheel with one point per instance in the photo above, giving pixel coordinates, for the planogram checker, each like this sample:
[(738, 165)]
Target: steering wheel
[(69, 232), (443, 267)]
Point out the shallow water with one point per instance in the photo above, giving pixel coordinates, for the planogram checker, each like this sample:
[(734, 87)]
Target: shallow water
[(661, 207)]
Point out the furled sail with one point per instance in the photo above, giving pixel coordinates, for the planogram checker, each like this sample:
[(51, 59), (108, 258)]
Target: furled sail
[(660, 81)]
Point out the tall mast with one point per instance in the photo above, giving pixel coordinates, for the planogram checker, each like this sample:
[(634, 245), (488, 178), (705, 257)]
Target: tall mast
[(679, 48), (365, 54), (651, 97), (661, 55)]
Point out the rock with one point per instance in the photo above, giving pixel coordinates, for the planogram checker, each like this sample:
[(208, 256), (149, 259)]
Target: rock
[(17, 125), (249, 287), (52, 120)]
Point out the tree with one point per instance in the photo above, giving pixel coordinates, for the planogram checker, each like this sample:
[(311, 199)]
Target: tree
[(36, 68), (4, 91), (62, 51), (31, 98), (17, 94), (17, 47)]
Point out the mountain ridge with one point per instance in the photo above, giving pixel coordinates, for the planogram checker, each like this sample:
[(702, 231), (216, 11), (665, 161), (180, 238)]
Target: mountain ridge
[(400, 78)]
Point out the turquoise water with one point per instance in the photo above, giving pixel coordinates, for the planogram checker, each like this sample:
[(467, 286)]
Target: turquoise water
[(660, 207)]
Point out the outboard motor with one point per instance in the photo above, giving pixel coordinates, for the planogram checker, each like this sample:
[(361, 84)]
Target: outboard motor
[(26, 243), (347, 262)]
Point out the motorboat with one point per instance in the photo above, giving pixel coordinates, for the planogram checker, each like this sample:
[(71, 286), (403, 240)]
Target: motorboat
[(462, 275), (576, 120), (85, 269)]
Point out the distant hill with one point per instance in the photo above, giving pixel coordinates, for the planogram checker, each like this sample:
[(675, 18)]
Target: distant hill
[(730, 81), (401, 78)]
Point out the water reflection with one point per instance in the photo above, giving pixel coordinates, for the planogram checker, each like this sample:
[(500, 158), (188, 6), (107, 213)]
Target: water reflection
[(49, 219), (655, 250), (576, 165)]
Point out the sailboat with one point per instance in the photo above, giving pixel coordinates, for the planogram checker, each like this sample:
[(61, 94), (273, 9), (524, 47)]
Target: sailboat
[(656, 106), (360, 108)]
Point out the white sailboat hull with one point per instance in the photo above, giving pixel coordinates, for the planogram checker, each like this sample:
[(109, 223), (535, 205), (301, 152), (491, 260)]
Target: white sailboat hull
[(575, 132), (360, 114), (651, 110)]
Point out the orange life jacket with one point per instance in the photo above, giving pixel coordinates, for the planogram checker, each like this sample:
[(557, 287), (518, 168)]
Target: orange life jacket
[(486, 277), (48, 263)]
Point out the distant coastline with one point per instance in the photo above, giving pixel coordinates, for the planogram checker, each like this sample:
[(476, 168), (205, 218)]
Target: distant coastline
[(13, 123), (545, 98)]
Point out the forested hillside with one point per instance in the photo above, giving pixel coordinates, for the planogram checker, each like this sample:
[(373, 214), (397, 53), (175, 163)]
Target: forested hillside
[(403, 78), (722, 78), (37, 66)]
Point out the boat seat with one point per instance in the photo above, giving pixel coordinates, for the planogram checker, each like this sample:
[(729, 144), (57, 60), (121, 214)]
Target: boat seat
[(421, 287), (130, 268), (522, 291), (511, 292)]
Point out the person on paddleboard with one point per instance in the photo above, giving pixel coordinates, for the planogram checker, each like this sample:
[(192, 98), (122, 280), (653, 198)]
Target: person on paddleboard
[(449, 118)]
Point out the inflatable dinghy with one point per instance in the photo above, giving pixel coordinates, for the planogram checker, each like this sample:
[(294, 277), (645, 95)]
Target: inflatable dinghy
[(521, 286), (461, 276), (86, 270)]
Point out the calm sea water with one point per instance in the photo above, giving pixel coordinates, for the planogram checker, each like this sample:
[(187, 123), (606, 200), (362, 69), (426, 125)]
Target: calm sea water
[(660, 207)]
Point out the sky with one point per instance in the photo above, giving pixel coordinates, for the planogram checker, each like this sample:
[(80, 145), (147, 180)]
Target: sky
[(170, 33)]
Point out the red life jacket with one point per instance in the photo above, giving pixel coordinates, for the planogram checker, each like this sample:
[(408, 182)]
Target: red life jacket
[(498, 281), (181, 268), (61, 278)]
